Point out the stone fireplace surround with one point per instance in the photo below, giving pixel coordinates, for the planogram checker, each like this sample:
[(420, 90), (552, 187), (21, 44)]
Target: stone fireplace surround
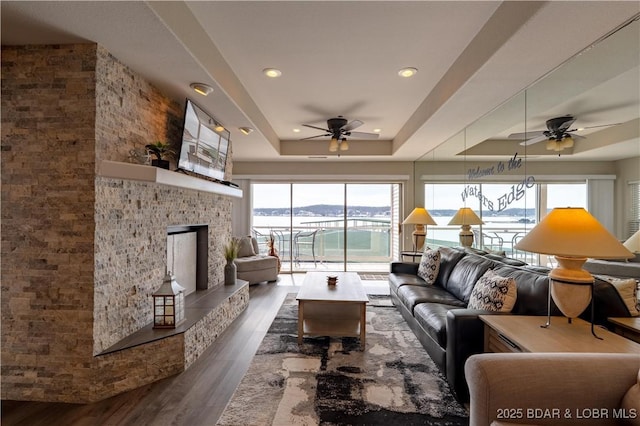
[(82, 252)]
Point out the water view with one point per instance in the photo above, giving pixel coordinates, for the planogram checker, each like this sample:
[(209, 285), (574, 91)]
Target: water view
[(316, 233)]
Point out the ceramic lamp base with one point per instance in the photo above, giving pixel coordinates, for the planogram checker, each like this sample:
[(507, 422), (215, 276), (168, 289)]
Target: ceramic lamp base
[(571, 286), (466, 236)]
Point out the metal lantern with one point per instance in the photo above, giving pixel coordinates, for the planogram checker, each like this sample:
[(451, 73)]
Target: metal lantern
[(168, 303)]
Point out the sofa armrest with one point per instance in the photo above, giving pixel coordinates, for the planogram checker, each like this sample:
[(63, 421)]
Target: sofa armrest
[(465, 337), (404, 268), (549, 388)]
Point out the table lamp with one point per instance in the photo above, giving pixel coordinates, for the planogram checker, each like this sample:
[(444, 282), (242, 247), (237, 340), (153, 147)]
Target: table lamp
[(419, 217), (465, 217), (572, 235), (633, 243)]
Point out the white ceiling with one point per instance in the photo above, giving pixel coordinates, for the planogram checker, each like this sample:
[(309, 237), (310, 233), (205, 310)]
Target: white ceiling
[(342, 58)]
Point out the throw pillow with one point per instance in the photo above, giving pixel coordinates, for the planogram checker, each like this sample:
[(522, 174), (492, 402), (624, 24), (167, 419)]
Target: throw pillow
[(627, 288), (429, 265), (245, 247), (493, 293)]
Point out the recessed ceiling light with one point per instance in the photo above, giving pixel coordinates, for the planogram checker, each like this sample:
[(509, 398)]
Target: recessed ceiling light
[(377, 130), (407, 72), (245, 130), (201, 88), (296, 130), (272, 72)]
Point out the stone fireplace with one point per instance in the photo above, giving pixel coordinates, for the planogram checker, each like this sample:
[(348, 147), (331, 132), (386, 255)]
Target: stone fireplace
[(187, 256), (82, 252)]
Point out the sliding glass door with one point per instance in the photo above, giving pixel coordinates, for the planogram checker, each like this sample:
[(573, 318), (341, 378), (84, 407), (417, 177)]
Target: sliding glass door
[(328, 226)]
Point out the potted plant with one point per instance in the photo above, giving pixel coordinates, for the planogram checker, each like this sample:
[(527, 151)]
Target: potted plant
[(271, 245), (230, 253), (162, 151)]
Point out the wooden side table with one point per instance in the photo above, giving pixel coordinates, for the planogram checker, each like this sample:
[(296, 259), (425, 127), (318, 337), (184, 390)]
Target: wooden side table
[(519, 333), (628, 327)]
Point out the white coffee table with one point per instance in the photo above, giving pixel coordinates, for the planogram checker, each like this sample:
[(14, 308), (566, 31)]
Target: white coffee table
[(337, 311)]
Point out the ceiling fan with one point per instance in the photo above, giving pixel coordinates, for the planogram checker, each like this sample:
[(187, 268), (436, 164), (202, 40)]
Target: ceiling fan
[(339, 128), (558, 134)]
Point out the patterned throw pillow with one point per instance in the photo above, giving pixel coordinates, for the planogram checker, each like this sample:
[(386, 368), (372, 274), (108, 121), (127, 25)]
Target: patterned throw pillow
[(429, 265), (627, 288), (493, 293)]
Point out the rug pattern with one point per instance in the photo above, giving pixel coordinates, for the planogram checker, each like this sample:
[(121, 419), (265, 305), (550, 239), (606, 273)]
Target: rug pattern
[(332, 382)]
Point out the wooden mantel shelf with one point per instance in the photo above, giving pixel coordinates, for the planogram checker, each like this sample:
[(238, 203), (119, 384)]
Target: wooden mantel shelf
[(118, 170)]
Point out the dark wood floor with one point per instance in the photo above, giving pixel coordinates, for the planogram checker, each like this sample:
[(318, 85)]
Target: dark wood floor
[(196, 397)]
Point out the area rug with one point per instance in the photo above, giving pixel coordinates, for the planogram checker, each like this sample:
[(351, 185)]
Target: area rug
[(330, 381)]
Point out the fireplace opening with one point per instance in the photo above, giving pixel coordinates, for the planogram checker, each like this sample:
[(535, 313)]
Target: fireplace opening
[(187, 256)]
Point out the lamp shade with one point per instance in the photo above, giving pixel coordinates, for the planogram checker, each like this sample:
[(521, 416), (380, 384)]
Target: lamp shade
[(419, 216), (572, 232), (633, 243), (465, 216)]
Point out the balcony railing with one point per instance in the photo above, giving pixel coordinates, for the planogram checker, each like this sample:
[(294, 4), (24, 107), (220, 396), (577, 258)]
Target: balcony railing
[(368, 246)]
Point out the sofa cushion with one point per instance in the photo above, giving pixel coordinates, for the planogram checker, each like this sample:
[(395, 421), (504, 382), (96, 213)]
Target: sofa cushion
[(631, 400), (493, 293), (532, 290), (396, 280), (429, 265), (432, 317), (412, 295), (245, 247), (627, 288), (449, 257), (256, 263), (465, 274), (505, 260)]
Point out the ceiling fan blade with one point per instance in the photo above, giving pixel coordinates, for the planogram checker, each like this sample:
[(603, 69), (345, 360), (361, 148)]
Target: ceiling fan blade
[(526, 135), (362, 135), (593, 127), (564, 126), (352, 125), (534, 140), (576, 136), (316, 136), (315, 127)]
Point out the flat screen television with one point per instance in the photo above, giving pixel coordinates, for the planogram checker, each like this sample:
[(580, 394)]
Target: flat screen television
[(204, 149)]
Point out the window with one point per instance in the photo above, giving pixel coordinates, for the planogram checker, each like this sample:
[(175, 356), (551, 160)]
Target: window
[(332, 226), (508, 211), (634, 210)]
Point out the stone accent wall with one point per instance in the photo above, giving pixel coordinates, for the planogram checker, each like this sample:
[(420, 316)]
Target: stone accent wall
[(128, 369), (131, 232), (48, 163), (82, 254), (206, 331), (130, 112)]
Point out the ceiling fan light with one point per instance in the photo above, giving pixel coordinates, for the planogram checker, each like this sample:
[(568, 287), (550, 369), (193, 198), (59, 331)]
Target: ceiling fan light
[(567, 142), (344, 146), (555, 145), (201, 88), (333, 145)]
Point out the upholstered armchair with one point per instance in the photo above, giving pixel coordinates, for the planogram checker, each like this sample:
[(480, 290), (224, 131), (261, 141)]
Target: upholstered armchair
[(554, 389)]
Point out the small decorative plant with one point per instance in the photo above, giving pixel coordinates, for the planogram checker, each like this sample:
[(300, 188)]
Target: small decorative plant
[(162, 151), (231, 249), (271, 245)]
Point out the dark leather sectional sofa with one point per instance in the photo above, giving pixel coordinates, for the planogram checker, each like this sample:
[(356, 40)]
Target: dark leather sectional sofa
[(450, 332)]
